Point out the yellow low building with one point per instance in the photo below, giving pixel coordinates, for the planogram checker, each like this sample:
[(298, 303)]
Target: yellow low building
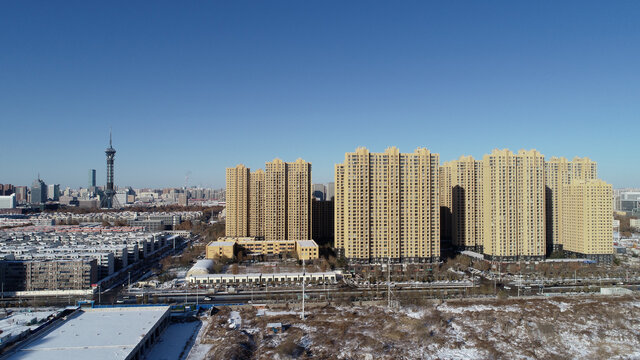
[(304, 249), (268, 247), (219, 249)]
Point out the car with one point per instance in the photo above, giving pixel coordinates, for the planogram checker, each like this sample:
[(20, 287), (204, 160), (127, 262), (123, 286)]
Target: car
[(207, 298)]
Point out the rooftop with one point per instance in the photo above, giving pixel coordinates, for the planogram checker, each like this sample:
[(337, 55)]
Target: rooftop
[(96, 334)]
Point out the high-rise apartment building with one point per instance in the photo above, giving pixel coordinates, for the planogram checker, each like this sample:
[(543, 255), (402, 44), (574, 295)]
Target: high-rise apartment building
[(256, 203), (461, 199), (21, 194), (298, 200), (275, 211), (387, 206), (514, 205), (7, 189), (445, 191), (560, 172), (274, 204), (237, 222), (586, 219)]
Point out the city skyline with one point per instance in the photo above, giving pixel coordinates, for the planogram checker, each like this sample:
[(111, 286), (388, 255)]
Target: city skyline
[(181, 85)]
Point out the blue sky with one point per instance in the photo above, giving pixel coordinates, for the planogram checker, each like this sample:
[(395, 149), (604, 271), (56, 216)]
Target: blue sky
[(194, 87)]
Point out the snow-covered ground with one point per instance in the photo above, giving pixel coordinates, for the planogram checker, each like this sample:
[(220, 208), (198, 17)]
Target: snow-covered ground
[(199, 350), (595, 327), (175, 342)]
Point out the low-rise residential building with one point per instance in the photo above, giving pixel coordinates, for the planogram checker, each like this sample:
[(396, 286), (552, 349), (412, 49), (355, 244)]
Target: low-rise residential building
[(226, 246)]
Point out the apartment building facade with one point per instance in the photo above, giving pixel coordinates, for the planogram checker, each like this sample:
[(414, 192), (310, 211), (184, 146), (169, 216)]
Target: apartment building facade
[(586, 219), (462, 201), (274, 204), (560, 172), (237, 222), (387, 206), (513, 205)]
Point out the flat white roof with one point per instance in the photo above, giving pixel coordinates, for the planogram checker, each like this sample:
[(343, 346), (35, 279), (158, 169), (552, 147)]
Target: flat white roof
[(96, 334), (307, 243), (221, 243)]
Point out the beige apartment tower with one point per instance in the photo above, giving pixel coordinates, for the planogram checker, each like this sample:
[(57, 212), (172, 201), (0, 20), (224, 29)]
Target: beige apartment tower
[(513, 205), (288, 200), (461, 196), (274, 204), (256, 203), (299, 200), (559, 172), (237, 197), (387, 206), (586, 219)]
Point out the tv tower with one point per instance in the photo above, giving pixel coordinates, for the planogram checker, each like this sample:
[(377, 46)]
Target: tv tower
[(109, 191)]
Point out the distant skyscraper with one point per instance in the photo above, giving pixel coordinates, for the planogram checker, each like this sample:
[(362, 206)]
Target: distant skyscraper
[(21, 194), (319, 192), (330, 191), (53, 192), (7, 189), (92, 178), (38, 192)]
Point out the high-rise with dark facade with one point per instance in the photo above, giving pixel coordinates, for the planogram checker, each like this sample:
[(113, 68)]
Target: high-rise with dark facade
[(92, 178)]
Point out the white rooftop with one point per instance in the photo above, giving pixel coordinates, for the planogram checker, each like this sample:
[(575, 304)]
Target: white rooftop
[(221, 243), (96, 334), (307, 243)]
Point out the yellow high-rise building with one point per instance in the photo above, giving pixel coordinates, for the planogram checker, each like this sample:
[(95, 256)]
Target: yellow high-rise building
[(444, 182), (462, 194), (288, 200), (586, 219), (256, 203), (560, 172), (275, 212), (299, 200), (237, 222), (514, 205), (387, 206), (274, 204)]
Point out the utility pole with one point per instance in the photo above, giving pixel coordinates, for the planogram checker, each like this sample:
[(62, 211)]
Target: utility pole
[(303, 276), (389, 281)]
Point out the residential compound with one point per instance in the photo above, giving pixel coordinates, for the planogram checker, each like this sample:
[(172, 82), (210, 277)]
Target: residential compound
[(508, 206), (35, 258), (387, 206), (268, 211)]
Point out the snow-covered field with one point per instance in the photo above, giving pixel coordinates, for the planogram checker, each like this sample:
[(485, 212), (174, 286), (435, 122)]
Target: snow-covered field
[(595, 327)]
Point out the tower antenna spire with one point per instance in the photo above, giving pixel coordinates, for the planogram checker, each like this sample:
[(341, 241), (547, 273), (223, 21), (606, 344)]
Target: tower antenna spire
[(110, 137)]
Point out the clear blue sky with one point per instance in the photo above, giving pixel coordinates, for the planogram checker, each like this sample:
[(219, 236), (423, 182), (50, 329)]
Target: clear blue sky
[(198, 86)]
